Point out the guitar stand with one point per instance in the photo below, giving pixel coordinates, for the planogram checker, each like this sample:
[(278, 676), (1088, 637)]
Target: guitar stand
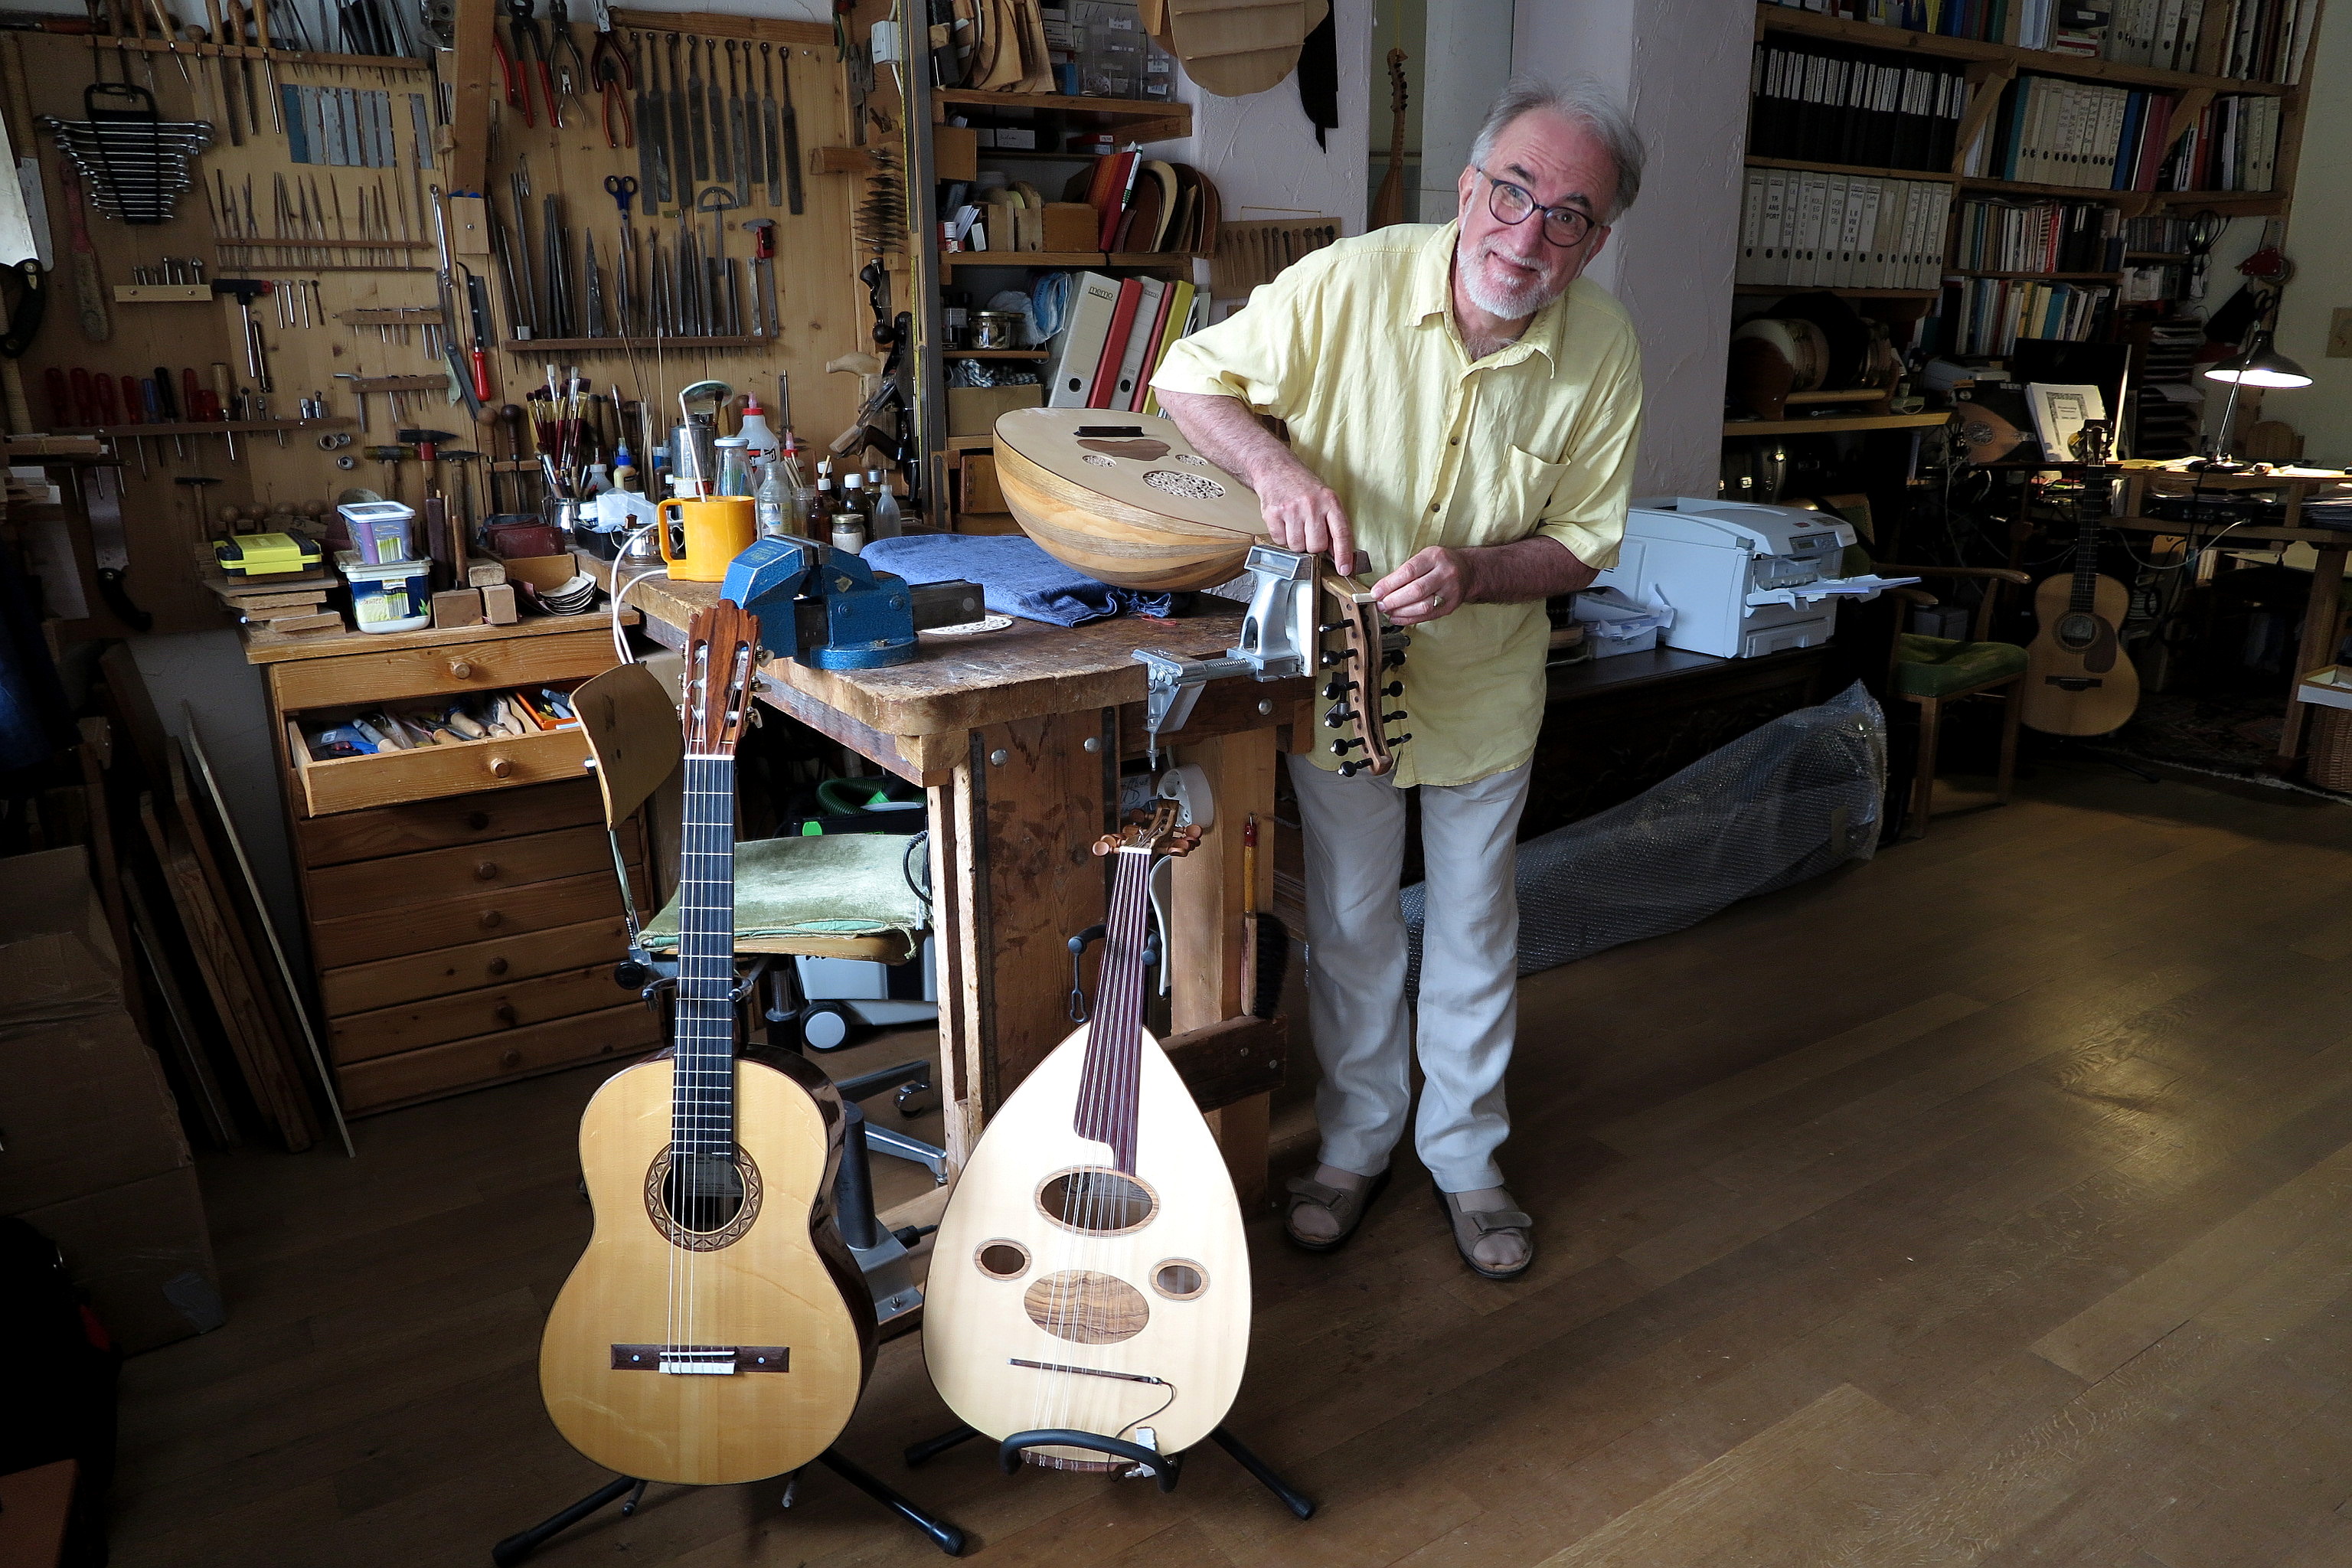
[(518, 1546), (1163, 1468)]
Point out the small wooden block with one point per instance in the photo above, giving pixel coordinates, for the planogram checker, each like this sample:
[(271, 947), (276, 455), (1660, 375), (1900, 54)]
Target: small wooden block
[(325, 620), (456, 608), (255, 604), (484, 575), (499, 604)]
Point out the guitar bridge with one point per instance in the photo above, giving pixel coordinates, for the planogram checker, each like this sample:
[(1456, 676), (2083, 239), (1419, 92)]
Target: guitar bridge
[(2072, 682), (702, 1360)]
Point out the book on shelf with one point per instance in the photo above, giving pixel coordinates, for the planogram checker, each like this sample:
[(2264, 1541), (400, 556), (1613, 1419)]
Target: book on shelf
[(2255, 40), (1987, 315), (2052, 130), (1996, 234), (1801, 228), (1826, 105), (2232, 146)]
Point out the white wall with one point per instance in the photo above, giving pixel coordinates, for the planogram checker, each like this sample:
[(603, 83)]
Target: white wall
[(1681, 66), (2319, 243), (1462, 67)]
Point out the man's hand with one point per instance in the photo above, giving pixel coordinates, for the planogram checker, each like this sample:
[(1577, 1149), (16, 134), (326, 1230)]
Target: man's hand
[(1302, 514), (1433, 584)]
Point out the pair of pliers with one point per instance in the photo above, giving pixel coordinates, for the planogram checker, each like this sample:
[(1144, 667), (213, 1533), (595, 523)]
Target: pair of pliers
[(572, 72), (529, 41), (518, 90), (614, 78)]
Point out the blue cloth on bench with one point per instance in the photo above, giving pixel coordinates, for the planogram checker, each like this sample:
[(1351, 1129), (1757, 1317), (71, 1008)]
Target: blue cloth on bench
[(1015, 574)]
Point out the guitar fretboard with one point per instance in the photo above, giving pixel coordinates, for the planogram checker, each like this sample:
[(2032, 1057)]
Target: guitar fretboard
[(2091, 514), (702, 1102), (1110, 1081)]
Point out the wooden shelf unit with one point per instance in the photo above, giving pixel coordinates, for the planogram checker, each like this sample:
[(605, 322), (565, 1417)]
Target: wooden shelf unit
[(1832, 424), (1788, 20)]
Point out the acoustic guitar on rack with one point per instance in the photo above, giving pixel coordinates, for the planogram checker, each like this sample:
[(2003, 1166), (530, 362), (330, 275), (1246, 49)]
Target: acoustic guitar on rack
[(2078, 679), (1089, 1283), (716, 1329)]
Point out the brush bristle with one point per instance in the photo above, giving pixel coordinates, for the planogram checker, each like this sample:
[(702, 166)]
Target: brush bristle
[(1270, 964)]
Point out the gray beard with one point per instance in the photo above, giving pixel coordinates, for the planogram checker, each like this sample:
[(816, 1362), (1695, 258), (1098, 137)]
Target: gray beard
[(1510, 304)]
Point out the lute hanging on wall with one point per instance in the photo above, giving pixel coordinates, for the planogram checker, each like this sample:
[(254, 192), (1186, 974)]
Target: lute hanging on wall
[(716, 1329), (1388, 202), (1090, 1276)]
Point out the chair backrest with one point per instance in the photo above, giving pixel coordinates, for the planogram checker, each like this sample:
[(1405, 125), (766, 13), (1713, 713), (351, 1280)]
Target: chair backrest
[(633, 734)]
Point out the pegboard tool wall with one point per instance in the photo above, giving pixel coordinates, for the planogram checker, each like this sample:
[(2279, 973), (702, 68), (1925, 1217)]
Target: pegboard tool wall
[(167, 524)]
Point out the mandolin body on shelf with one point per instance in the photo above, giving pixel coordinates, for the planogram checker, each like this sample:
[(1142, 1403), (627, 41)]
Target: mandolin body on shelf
[(1162, 1294), (774, 1285)]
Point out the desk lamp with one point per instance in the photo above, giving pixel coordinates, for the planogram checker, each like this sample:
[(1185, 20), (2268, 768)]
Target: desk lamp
[(2260, 366)]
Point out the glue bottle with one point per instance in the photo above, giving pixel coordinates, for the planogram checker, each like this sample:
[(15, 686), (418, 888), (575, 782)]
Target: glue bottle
[(759, 444)]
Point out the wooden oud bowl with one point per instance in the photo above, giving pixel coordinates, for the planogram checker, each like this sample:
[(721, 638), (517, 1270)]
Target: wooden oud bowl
[(1125, 498)]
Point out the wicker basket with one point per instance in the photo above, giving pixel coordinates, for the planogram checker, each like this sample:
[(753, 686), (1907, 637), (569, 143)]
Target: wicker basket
[(2329, 762)]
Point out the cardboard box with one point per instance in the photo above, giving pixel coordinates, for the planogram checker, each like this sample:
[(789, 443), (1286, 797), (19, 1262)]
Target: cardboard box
[(1072, 226), (142, 1252), (84, 1108), (974, 410), (955, 152), (2329, 686)]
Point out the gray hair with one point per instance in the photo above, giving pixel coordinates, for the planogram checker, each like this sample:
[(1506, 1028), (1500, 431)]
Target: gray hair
[(1581, 101)]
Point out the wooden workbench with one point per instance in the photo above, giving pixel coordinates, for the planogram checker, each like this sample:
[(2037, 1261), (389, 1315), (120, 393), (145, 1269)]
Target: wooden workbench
[(1016, 738)]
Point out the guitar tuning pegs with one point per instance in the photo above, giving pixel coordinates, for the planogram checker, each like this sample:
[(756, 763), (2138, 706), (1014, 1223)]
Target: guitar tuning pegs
[(1335, 655), (1328, 627), (1343, 747), (1392, 718), (1350, 769), (1334, 688), (1396, 740), (1393, 660), (1337, 715), (1393, 688)]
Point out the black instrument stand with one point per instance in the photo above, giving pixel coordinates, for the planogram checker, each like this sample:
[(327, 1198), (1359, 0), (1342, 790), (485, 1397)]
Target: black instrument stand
[(522, 1544), (1164, 1468)]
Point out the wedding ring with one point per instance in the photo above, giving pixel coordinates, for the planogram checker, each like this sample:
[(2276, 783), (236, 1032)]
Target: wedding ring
[(1437, 601)]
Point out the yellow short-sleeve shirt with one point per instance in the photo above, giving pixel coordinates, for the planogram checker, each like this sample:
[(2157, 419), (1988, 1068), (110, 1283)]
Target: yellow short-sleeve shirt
[(1355, 348)]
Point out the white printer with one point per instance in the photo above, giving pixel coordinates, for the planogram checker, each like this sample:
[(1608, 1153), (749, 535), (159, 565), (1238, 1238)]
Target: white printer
[(1741, 579)]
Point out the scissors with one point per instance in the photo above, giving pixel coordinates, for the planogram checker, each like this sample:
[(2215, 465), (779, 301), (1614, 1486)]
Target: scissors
[(621, 188)]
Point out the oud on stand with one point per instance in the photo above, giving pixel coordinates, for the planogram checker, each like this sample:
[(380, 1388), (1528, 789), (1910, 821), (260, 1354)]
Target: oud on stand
[(1088, 1303), (715, 1329)]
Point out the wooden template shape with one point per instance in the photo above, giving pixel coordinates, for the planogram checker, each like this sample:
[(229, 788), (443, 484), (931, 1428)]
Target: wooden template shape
[(1125, 498)]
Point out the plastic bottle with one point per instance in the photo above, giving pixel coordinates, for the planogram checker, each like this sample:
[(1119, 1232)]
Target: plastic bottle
[(598, 483), (759, 444), (734, 470), (772, 505), (885, 518), (822, 509)]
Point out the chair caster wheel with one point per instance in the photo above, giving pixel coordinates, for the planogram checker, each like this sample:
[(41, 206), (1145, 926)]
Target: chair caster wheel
[(826, 1026)]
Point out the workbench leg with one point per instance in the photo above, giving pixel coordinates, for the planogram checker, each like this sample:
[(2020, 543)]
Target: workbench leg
[(2322, 617), (1207, 986), (956, 949)]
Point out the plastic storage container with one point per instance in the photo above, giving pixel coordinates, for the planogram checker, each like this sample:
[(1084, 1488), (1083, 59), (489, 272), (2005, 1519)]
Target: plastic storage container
[(392, 597), (379, 529)]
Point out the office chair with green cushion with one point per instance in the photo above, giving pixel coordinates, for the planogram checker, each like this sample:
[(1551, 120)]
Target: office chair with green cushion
[(835, 895)]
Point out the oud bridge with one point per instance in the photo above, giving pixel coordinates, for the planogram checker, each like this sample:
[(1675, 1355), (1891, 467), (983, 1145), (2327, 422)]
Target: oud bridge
[(702, 1360)]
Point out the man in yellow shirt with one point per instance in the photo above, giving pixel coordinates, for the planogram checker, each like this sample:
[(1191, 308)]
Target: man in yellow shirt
[(1462, 407)]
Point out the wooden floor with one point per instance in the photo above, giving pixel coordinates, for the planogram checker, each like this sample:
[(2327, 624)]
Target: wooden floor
[(1986, 1204)]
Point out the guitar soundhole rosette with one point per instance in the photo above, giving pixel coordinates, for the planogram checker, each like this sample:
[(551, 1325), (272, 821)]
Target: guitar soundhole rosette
[(658, 1207), (1187, 487)]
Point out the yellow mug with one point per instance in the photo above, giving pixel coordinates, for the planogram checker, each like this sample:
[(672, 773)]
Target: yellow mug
[(718, 529)]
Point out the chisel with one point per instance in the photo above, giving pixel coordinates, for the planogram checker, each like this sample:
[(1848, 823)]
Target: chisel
[(698, 124), (737, 141), (681, 147), (791, 152)]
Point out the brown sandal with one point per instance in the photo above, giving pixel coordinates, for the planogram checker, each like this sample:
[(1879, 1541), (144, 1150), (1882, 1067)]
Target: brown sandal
[(1481, 1223), (1347, 1208)]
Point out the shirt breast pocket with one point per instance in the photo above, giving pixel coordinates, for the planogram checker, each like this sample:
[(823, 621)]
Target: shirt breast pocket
[(1515, 497)]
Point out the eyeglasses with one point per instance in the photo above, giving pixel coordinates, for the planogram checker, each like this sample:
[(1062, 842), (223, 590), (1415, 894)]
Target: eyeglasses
[(1566, 228)]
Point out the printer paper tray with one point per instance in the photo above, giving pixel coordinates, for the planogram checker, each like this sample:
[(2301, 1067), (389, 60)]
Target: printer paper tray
[(1868, 586)]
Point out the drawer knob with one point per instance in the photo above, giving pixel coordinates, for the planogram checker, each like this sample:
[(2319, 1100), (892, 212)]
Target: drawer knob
[(504, 1013), (461, 670), (501, 767), (491, 919), (478, 820), (496, 966), (487, 871), (509, 1061)]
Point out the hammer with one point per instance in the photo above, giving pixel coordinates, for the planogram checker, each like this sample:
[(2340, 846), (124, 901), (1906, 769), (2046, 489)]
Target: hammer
[(427, 444), (390, 456), (246, 290)]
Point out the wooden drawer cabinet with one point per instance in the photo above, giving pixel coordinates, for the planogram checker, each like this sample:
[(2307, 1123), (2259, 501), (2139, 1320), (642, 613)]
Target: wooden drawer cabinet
[(437, 824), (502, 960), (456, 667), (428, 773), (464, 917)]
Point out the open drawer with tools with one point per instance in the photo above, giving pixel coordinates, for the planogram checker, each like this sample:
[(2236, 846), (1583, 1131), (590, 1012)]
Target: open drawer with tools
[(384, 754)]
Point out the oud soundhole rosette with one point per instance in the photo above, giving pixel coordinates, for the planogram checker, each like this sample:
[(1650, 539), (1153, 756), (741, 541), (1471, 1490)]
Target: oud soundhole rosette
[(1092, 1201), (1099, 462), (1189, 486), (1003, 1259), (1180, 1280)]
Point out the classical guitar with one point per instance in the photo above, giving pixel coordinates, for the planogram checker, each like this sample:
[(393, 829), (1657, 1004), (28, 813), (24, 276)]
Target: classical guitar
[(1388, 202), (715, 1329), (1090, 1275), (2078, 679)]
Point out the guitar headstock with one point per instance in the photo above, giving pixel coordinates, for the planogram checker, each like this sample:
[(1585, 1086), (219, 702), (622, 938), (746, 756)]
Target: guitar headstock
[(1396, 81), (2092, 441), (720, 662), (1358, 683), (1154, 833)]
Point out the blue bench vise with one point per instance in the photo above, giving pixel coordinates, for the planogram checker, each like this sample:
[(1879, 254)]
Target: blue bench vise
[(842, 614)]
